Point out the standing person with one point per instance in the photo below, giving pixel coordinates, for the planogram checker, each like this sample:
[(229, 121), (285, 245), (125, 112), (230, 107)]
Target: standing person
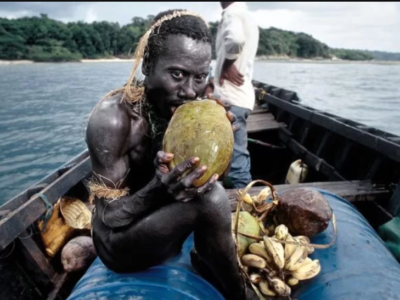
[(236, 48)]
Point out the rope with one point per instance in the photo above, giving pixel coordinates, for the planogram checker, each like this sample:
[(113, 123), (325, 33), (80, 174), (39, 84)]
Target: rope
[(49, 209)]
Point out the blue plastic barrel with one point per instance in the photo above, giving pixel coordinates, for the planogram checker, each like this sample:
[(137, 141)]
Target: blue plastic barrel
[(175, 279), (358, 266)]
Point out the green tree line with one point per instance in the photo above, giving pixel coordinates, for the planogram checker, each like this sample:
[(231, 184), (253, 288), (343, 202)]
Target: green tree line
[(44, 39)]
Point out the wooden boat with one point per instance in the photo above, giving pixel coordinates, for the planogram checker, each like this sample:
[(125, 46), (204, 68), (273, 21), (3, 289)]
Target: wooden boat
[(351, 160)]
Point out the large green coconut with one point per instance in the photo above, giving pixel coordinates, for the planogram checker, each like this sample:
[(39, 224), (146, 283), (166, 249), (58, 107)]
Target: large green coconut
[(248, 225), (202, 129)]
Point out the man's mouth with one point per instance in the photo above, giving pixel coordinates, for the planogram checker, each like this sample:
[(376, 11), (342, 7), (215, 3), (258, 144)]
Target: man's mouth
[(176, 105)]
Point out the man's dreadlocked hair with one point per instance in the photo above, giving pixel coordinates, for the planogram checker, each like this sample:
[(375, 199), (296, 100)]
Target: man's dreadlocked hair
[(190, 26)]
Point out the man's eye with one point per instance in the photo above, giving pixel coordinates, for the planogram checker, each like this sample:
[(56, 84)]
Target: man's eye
[(177, 74), (201, 78)]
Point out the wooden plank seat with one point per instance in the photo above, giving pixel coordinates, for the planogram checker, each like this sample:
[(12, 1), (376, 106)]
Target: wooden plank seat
[(262, 121)]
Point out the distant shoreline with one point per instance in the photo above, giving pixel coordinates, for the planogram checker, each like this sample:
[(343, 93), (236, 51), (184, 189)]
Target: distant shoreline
[(259, 59)]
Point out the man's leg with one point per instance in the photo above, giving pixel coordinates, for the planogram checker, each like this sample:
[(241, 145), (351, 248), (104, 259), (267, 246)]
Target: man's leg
[(240, 166), (160, 235)]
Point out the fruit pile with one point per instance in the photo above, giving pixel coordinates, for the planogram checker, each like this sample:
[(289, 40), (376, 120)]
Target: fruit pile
[(270, 257), (275, 267)]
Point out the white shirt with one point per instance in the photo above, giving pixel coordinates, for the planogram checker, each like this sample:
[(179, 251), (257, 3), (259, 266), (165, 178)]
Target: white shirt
[(237, 38)]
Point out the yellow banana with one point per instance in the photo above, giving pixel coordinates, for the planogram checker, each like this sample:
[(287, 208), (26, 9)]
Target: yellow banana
[(305, 239), (298, 256), (255, 261), (247, 198), (281, 232), (280, 287), (276, 251), (259, 250), (265, 289), (307, 271), (306, 261), (289, 248), (292, 281), (255, 278), (262, 196)]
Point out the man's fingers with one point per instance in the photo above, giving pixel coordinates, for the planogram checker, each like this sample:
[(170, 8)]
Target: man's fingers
[(162, 160), (180, 169), (238, 82), (224, 103), (239, 79), (192, 176), (163, 157), (231, 116), (208, 185)]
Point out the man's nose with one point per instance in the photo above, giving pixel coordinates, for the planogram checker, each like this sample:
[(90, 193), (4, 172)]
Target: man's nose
[(187, 90)]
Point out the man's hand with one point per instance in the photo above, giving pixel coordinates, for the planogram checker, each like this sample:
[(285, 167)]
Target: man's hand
[(231, 73), (209, 88), (230, 115), (181, 186)]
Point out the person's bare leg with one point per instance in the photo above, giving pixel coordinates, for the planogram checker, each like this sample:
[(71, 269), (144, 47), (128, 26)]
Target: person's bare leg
[(214, 242), (160, 235)]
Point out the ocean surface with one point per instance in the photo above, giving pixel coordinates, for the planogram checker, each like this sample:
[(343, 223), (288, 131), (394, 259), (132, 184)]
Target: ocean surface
[(44, 107)]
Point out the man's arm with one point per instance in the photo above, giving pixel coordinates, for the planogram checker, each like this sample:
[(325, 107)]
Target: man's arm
[(234, 40), (109, 142)]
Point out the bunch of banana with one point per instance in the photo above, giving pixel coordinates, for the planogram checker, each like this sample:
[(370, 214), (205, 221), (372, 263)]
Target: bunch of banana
[(276, 267)]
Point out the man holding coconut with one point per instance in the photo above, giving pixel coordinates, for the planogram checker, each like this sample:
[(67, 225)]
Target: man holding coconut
[(143, 210)]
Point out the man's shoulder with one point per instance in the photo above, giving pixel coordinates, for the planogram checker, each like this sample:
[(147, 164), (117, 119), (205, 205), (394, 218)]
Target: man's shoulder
[(109, 113), (112, 116)]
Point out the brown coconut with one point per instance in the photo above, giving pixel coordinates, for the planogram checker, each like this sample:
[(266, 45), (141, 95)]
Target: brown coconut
[(78, 254), (304, 211)]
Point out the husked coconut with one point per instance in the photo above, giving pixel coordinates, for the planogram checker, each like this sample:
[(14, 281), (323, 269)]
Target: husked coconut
[(78, 254), (304, 211)]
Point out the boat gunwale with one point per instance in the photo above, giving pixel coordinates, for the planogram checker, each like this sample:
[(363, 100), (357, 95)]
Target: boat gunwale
[(336, 124)]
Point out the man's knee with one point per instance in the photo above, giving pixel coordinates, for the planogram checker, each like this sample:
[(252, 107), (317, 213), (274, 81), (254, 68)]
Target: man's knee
[(216, 199)]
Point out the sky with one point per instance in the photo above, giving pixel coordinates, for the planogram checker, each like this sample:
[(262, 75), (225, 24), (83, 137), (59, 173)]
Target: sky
[(351, 25)]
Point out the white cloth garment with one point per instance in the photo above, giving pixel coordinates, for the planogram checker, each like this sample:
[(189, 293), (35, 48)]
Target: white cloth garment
[(237, 38)]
